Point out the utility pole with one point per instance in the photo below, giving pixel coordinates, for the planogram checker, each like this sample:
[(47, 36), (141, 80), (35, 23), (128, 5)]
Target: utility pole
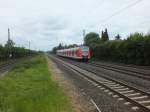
[(84, 33), (8, 34), (9, 42)]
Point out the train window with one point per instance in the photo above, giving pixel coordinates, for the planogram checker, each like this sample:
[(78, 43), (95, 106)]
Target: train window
[(84, 48)]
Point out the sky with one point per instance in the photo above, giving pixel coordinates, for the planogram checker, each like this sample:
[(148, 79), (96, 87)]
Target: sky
[(46, 23)]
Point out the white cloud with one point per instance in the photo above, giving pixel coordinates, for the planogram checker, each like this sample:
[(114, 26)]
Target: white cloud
[(48, 22)]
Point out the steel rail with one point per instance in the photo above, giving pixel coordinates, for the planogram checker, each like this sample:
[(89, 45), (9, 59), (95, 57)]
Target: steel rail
[(91, 77), (138, 74)]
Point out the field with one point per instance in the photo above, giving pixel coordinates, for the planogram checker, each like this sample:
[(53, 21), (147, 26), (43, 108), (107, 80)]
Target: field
[(28, 87)]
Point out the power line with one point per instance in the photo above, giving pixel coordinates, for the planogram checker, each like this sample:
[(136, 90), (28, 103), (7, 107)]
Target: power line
[(121, 10)]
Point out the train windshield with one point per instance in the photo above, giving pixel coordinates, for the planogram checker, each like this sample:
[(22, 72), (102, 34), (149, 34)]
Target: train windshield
[(85, 48)]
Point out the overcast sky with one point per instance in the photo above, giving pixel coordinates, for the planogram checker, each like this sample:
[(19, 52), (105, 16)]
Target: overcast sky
[(45, 23)]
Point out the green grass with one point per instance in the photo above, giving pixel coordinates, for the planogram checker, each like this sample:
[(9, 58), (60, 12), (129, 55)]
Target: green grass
[(28, 87)]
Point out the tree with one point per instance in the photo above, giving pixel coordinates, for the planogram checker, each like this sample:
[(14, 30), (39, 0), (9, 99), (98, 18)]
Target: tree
[(117, 37), (105, 36), (60, 46), (102, 35), (9, 43), (91, 39), (72, 46), (9, 46), (136, 37)]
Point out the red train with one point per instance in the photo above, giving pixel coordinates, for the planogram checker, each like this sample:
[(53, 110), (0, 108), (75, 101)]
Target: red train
[(80, 53)]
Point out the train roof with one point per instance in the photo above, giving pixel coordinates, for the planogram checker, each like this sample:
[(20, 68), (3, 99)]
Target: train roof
[(82, 47)]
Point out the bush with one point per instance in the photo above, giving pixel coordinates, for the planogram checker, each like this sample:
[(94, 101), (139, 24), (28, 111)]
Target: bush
[(134, 50), (16, 52)]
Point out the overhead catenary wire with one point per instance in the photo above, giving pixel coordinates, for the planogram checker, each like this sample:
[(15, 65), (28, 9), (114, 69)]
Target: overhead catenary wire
[(121, 10), (104, 21)]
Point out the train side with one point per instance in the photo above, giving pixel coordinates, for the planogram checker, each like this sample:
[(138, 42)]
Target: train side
[(79, 53)]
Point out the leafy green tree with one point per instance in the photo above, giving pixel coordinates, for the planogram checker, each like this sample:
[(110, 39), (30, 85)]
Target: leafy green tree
[(136, 37), (91, 39), (72, 45), (60, 46), (54, 50), (1, 52), (105, 36), (9, 43), (118, 37), (102, 34), (9, 46)]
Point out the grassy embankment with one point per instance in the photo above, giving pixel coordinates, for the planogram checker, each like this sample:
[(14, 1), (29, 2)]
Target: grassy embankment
[(28, 87)]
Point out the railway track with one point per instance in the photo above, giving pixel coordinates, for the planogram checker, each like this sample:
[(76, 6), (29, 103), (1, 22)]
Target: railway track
[(7, 66), (138, 98), (140, 73), (124, 65)]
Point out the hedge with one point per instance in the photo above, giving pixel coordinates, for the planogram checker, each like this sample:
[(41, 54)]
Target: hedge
[(133, 50)]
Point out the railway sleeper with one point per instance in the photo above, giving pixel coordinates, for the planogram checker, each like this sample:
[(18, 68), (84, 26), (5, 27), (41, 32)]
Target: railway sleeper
[(132, 94), (130, 91), (117, 87), (148, 107), (123, 89), (114, 85), (139, 98), (145, 102)]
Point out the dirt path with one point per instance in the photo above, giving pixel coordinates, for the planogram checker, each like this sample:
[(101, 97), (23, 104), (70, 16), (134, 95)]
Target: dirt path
[(78, 100)]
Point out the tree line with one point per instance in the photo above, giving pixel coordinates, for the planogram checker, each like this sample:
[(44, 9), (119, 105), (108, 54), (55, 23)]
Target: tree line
[(135, 49), (9, 51), (61, 46)]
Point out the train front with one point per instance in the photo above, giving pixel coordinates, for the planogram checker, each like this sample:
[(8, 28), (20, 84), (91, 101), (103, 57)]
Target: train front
[(85, 53)]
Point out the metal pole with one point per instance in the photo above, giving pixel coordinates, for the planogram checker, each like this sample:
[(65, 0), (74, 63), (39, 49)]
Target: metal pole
[(83, 33), (29, 47), (8, 34)]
